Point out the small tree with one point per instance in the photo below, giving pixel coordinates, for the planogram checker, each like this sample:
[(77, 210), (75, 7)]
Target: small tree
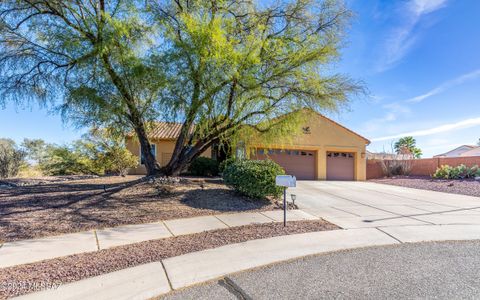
[(67, 160), (11, 158), (407, 145), (35, 149), (478, 142), (118, 161), (107, 149)]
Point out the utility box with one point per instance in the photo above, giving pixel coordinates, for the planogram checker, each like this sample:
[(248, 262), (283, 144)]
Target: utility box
[(286, 181)]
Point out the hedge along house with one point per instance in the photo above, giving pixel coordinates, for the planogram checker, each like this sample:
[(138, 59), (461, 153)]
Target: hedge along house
[(324, 150), (162, 137)]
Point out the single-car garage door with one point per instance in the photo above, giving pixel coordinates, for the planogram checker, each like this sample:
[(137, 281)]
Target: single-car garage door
[(340, 166), (299, 163)]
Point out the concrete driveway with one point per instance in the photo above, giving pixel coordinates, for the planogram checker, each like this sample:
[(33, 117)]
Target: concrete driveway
[(367, 204)]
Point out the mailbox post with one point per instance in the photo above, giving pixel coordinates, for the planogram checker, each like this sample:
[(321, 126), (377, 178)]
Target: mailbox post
[(286, 181)]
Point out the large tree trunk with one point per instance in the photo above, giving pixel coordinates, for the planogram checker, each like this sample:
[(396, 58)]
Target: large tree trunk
[(150, 161), (135, 118), (179, 162)]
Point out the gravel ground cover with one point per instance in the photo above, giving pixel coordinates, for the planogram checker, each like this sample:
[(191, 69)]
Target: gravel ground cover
[(31, 208), (463, 187), (19, 280)]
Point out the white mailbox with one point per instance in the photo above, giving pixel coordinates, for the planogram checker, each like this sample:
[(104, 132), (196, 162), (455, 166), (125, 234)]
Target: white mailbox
[(286, 180)]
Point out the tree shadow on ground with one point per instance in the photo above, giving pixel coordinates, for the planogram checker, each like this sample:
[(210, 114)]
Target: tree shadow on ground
[(56, 208), (222, 200)]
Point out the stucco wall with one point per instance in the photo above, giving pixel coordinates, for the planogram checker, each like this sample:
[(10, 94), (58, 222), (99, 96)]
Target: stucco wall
[(325, 136), (424, 166), (163, 153)]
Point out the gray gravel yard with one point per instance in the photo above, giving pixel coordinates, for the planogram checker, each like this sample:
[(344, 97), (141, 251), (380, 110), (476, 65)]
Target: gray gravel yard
[(463, 187), (35, 208), (80, 266)]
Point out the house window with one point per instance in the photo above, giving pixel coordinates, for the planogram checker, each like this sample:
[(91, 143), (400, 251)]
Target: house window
[(153, 147)]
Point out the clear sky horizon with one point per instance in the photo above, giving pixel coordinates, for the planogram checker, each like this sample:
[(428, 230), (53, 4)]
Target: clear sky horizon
[(419, 60)]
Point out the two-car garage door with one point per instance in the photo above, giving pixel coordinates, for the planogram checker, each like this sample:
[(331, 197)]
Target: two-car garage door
[(301, 163)]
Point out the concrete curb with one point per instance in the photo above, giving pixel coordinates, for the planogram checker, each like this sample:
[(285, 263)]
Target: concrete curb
[(34, 250), (157, 278)]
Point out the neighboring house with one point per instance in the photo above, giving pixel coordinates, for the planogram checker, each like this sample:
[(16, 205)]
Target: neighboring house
[(324, 150), (459, 151), (473, 152)]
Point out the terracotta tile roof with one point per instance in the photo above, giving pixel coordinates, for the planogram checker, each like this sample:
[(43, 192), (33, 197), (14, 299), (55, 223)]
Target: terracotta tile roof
[(163, 131), (171, 130)]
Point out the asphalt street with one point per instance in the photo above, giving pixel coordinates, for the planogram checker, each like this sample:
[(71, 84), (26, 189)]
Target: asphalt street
[(441, 270)]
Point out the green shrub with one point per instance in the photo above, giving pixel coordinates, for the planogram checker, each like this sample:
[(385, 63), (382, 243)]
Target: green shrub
[(117, 160), (62, 160), (459, 172), (254, 178), (224, 164), (11, 158), (203, 166)]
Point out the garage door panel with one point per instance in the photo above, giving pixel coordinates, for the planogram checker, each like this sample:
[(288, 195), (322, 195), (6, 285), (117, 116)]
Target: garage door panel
[(340, 166), (299, 163)]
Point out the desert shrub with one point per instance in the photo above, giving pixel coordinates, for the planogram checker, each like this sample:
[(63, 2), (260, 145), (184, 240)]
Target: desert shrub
[(203, 166), (224, 164), (254, 178), (459, 172), (98, 152), (395, 167), (11, 158), (117, 161), (64, 160)]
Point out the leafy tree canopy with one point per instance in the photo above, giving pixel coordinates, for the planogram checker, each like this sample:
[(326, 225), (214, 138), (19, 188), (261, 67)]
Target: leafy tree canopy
[(220, 67), (239, 66)]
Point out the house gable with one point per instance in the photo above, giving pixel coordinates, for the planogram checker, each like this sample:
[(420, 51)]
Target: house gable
[(319, 130), (457, 151)]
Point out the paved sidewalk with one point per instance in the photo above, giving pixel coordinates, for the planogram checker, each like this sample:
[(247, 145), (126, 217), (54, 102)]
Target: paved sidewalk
[(28, 251), (144, 281)]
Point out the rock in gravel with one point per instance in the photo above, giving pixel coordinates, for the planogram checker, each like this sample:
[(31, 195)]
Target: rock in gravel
[(7, 185), (477, 178), (164, 180)]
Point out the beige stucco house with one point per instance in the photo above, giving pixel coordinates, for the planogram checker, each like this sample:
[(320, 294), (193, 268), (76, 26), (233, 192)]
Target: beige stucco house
[(324, 150), (162, 136)]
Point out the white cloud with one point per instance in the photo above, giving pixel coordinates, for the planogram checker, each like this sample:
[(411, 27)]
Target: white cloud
[(392, 112), (439, 129), (402, 38), (421, 7), (446, 85)]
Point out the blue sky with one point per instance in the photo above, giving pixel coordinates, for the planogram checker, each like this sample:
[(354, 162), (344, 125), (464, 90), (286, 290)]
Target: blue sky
[(418, 59)]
